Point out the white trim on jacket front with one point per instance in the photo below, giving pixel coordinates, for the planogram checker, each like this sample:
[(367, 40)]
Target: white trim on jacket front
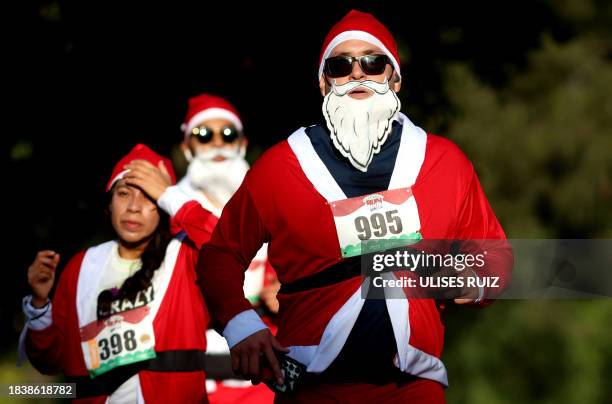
[(317, 358)]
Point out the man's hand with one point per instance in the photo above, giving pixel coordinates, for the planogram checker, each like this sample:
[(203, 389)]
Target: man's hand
[(268, 296), (152, 180), (468, 294), (459, 294), (249, 355), (41, 275)]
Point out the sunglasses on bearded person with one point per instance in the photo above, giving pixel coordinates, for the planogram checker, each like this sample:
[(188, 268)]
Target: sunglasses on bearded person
[(204, 134), (341, 66)]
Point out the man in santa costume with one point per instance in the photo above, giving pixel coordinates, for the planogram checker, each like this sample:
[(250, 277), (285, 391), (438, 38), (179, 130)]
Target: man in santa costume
[(214, 144), (305, 197), (127, 321)]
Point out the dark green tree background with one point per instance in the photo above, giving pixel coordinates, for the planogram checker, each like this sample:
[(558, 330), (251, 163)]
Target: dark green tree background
[(542, 146)]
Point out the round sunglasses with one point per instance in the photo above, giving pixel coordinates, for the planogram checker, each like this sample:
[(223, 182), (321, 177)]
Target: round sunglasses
[(341, 66), (204, 134)]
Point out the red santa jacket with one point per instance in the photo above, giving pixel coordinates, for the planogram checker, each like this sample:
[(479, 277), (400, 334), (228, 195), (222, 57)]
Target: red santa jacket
[(285, 200), (179, 325)]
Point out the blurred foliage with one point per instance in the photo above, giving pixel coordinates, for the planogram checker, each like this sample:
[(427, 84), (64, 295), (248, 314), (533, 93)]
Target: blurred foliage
[(542, 146), (10, 374), (22, 150), (530, 352)]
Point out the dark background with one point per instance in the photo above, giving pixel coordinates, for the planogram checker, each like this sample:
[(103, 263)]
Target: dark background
[(85, 81)]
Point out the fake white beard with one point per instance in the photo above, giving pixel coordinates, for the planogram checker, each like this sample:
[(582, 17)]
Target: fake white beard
[(359, 127), (219, 179)]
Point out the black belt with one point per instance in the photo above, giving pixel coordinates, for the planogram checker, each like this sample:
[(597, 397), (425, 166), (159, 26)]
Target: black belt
[(189, 360), (344, 270), (347, 269), (219, 367)]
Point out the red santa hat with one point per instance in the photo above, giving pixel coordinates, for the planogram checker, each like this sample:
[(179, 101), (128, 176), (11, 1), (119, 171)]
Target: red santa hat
[(207, 106), (362, 26), (139, 152)]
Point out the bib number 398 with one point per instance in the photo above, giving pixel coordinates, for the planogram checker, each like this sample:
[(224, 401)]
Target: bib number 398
[(116, 343), (119, 340)]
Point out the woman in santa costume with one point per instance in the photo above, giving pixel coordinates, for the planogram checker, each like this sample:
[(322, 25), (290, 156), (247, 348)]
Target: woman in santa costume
[(364, 174), (127, 322)]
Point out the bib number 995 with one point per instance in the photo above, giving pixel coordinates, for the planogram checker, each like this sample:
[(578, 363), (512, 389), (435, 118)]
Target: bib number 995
[(378, 225)]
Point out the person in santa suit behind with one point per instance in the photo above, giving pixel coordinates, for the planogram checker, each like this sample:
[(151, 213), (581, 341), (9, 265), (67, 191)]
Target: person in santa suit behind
[(304, 195), (214, 144), (127, 321)]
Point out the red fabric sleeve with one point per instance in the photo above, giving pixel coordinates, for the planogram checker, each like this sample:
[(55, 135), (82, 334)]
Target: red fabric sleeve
[(45, 347), (238, 236), (196, 221), (479, 227)]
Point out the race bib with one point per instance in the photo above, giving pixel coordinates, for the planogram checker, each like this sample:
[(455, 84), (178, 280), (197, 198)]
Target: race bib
[(376, 222), (119, 340)]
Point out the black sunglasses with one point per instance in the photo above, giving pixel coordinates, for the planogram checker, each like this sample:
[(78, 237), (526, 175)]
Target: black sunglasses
[(341, 66), (204, 134)]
